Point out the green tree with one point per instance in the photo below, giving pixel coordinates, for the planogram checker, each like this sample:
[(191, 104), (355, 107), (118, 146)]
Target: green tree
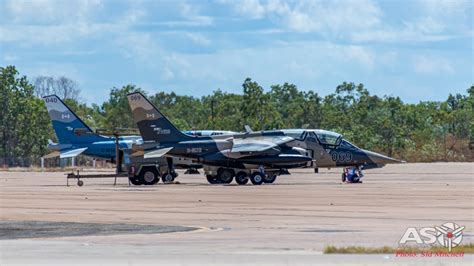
[(258, 111), (25, 124), (116, 111)]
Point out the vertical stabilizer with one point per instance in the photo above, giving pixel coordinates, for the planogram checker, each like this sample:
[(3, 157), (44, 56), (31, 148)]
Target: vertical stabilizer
[(153, 125), (68, 126)]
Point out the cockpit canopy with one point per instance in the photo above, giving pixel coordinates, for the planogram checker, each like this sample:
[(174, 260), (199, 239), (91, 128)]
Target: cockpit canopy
[(294, 133), (328, 137), (324, 137)]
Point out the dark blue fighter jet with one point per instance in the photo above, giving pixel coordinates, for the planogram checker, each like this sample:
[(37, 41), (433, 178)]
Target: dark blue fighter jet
[(258, 155), (249, 154)]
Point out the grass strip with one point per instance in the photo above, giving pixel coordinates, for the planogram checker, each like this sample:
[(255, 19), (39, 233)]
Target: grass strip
[(466, 248)]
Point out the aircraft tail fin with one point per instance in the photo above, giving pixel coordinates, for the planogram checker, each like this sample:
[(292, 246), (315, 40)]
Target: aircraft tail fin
[(153, 125), (68, 126)]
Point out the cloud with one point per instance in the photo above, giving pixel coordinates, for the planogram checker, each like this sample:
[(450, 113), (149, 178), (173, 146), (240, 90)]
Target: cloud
[(192, 16), (362, 55), (8, 58), (394, 35), (432, 65), (251, 8), (364, 20), (331, 17), (192, 44), (298, 61), (49, 11), (445, 7), (28, 35), (53, 22), (138, 46), (198, 38)]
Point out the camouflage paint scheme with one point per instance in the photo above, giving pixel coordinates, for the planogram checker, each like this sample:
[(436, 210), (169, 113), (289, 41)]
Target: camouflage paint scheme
[(286, 148), (330, 149), (161, 137)]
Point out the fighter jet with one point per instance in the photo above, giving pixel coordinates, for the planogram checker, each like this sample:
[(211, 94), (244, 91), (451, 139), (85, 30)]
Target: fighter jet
[(260, 155), (76, 138)]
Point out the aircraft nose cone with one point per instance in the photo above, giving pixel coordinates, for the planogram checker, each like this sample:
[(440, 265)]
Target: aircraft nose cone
[(380, 159)]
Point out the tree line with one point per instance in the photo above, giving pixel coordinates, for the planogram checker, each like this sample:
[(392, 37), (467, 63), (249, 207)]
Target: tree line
[(425, 131)]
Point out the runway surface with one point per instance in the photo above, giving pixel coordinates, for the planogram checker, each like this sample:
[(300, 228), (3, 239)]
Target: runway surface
[(285, 223)]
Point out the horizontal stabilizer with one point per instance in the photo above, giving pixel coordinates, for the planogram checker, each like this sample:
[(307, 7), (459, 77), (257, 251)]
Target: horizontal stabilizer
[(52, 155), (157, 153), (66, 153), (71, 153), (138, 153)]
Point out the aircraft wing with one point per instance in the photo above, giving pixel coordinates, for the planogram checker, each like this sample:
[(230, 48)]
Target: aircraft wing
[(258, 144), (157, 153), (71, 153), (66, 153), (52, 155), (252, 147)]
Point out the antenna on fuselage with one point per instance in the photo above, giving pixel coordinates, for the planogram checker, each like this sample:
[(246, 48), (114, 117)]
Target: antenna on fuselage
[(248, 129)]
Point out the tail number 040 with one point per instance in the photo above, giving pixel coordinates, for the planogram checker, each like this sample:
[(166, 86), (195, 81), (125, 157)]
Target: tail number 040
[(51, 100)]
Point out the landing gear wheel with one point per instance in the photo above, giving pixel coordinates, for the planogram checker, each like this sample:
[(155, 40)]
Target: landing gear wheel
[(167, 178), (269, 178), (135, 181), (225, 176), (343, 177), (256, 178), (212, 179), (192, 171), (242, 178), (149, 176), (80, 183)]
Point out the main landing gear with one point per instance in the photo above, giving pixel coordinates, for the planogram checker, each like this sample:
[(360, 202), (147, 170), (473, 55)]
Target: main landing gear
[(241, 176)]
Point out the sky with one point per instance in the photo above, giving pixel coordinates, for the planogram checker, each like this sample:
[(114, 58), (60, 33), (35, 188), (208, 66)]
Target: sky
[(419, 49)]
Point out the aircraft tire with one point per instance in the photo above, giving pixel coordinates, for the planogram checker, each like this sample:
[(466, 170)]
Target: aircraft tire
[(256, 178), (212, 179), (167, 178), (242, 178), (80, 183), (135, 181), (225, 176), (343, 177), (149, 176), (268, 179)]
